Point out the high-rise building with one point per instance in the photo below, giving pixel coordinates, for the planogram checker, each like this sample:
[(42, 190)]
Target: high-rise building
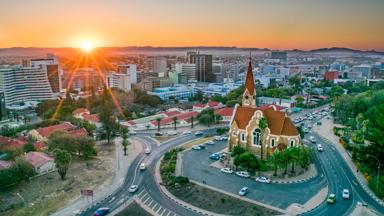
[(160, 66), (363, 71), (84, 79), (52, 67), (119, 80), (21, 84), (203, 64), (129, 69), (218, 70), (189, 70)]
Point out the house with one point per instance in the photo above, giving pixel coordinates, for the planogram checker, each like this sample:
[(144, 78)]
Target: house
[(183, 119), (211, 104), (5, 164), (246, 130), (9, 143), (84, 113), (41, 162), (41, 134), (287, 103), (225, 113)]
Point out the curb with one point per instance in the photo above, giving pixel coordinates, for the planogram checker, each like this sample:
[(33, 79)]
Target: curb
[(296, 181)]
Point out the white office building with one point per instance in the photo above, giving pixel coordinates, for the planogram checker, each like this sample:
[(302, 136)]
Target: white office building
[(119, 80), (22, 84), (160, 65), (129, 69), (186, 69)]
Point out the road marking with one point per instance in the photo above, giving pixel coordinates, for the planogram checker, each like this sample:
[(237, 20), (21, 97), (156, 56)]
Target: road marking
[(160, 210), (148, 201)]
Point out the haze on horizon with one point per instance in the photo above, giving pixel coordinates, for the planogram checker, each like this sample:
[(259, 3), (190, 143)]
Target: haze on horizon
[(275, 24)]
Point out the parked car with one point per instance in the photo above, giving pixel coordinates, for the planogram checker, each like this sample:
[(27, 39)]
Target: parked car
[(202, 146), (318, 123), (224, 138), (319, 148), (244, 174), (243, 191), (331, 198), (313, 139), (198, 133), (226, 170), (133, 188), (147, 150), (218, 138), (214, 156), (101, 212), (132, 132), (158, 134), (211, 142), (263, 179), (196, 147), (142, 166), (187, 132), (172, 133), (346, 194)]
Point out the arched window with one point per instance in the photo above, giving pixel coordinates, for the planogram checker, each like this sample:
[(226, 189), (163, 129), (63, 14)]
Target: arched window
[(257, 136), (292, 143), (243, 137), (272, 142)]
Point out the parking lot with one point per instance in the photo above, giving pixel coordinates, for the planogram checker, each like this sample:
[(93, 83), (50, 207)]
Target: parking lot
[(196, 166)]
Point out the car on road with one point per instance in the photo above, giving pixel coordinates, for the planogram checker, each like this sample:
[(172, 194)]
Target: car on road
[(224, 138), (331, 198), (320, 148), (187, 132), (158, 134), (318, 123), (101, 211), (243, 191), (328, 117), (263, 179), (133, 188), (211, 142), (306, 130), (147, 150), (172, 133), (313, 139), (143, 166), (345, 193), (198, 147), (198, 133), (218, 138), (244, 174), (132, 132), (226, 170), (214, 156)]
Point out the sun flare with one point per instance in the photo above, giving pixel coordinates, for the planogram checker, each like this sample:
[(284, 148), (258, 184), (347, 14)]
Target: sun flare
[(87, 46)]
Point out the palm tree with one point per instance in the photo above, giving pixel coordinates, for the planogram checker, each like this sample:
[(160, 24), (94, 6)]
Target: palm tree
[(294, 154), (263, 123), (174, 122), (192, 119), (286, 160), (158, 119), (124, 142), (275, 161)]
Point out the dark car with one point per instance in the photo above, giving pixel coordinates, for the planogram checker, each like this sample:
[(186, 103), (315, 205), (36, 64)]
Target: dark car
[(214, 156), (101, 212)]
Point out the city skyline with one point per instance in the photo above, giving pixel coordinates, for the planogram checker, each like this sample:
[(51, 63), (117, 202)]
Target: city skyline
[(259, 24)]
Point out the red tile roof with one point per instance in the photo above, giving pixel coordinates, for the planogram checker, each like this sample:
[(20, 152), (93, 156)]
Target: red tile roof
[(48, 130), (91, 117), (38, 159), (199, 105), (213, 103), (80, 111), (5, 164), (182, 116), (172, 113), (39, 145), (227, 111), (78, 132), (8, 143)]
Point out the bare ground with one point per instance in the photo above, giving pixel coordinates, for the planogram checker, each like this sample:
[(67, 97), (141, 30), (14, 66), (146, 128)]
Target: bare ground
[(45, 194)]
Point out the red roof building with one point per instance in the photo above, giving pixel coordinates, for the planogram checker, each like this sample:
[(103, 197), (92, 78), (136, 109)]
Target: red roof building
[(5, 164), (331, 75), (9, 143), (182, 119), (40, 161), (46, 131), (225, 113)]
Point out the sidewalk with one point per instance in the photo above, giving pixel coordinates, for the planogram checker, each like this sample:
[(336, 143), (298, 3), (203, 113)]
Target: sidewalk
[(326, 132), (122, 164)]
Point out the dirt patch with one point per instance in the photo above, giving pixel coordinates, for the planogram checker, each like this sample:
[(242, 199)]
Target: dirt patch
[(217, 202), (45, 194), (133, 209)]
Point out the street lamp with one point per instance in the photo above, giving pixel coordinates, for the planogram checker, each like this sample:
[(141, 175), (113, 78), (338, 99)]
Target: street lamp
[(378, 172), (18, 194)]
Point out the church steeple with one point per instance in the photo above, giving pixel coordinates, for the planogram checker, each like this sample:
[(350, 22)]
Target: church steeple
[(249, 94)]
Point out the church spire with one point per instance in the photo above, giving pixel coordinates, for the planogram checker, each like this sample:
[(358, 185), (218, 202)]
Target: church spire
[(249, 94)]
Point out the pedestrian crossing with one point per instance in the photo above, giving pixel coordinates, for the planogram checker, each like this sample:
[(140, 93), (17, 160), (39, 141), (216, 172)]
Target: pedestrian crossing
[(150, 203)]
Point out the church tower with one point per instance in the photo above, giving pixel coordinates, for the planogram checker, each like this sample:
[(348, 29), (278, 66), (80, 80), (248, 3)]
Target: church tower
[(249, 94)]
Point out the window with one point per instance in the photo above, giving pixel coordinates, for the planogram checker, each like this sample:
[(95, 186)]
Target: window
[(242, 137), (257, 137), (292, 143), (272, 142)]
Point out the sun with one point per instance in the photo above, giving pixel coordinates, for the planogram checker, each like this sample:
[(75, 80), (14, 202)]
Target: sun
[(87, 46)]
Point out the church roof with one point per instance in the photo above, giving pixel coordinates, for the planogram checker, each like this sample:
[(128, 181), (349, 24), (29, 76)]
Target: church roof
[(249, 81), (278, 123)]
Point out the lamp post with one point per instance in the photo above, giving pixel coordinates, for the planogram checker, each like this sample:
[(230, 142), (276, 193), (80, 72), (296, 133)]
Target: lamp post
[(378, 172), (18, 194)]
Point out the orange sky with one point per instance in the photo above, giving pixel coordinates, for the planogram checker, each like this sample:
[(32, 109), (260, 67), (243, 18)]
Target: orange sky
[(276, 24)]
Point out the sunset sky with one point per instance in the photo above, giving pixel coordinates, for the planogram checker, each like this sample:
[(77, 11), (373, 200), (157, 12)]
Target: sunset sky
[(276, 24)]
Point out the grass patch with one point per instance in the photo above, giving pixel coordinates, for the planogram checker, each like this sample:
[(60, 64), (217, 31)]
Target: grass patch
[(217, 202), (133, 209)]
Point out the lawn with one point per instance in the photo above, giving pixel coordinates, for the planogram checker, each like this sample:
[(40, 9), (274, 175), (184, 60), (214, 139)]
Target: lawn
[(45, 194), (133, 209), (217, 202)]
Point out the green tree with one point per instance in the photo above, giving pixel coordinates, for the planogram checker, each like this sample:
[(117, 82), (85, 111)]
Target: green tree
[(247, 161), (62, 160), (29, 147), (62, 140), (301, 131), (294, 153), (336, 91), (158, 120), (124, 142), (208, 117), (263, 124), (85, 146), (237, 150), (174, 119), (192, 119), (108, 122), (275, 161)]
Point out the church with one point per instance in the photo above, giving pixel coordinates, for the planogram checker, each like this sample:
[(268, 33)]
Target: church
[(261, 130)]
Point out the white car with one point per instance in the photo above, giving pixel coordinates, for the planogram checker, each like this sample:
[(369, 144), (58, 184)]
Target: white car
[(243, 191), (226, 170), (224, 138), (172, 133), (187, 132), (244, 174), (133, 188), (211, 142), (313, 139), (142, 166), (345, 193), (319, 148), (263, 179), (132, 132), (196, 147), (218, 138), (147, 150)]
